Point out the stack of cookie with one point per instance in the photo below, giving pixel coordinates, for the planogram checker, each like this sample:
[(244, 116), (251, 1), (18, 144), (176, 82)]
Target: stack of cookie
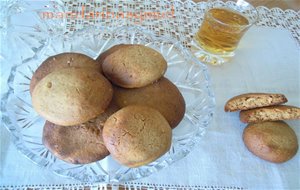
[(118, 104), (150, 105), (266, 135)]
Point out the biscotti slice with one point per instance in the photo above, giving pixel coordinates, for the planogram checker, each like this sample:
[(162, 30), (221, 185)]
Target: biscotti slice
[(271, 113), (253, 100)]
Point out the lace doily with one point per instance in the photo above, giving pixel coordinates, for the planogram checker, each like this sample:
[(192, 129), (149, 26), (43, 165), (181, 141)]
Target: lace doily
[(128, 186), (182, 22)]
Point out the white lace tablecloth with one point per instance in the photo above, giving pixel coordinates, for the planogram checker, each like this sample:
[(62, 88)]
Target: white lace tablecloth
[(267, 60)]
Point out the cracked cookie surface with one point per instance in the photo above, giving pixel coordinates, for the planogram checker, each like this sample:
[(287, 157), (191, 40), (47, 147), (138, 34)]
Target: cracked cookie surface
[(137, 135)]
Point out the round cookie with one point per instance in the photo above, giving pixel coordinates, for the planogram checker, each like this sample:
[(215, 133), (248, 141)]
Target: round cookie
[(134, 66), (137, 135), (72, 96), (162, 95), (272, 141), (78, 144), (61, 61), (106, 53)]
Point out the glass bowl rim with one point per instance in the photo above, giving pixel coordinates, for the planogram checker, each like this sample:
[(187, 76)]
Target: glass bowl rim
[(15, 134)]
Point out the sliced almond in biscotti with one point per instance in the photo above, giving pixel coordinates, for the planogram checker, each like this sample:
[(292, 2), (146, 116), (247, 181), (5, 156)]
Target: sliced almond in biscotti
[(270, 113), (253, 100)]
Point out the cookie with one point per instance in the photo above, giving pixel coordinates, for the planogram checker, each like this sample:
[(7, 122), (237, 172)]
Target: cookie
[(134, 66), (72, 96), (162, 95), (60, 61), (78, 144), (272, 141), (103, 55), (253, 100), (270, 113), (137, 135)]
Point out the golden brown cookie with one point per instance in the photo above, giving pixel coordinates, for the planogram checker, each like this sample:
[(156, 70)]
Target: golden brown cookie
[(103, 55), (61, 61), (137, 135), (72, 96), (162, 95), (272, 141), (270, 113), (78, 144), (253, 100), (134, 66)]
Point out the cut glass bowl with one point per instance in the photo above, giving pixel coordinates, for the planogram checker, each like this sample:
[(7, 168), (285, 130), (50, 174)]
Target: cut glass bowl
[(184, 70)]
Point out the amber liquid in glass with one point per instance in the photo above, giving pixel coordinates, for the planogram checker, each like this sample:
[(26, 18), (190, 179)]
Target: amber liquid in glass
[(221, 30)]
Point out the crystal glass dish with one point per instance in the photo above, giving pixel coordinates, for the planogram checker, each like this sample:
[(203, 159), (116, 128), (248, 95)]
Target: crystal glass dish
[(184, 70)]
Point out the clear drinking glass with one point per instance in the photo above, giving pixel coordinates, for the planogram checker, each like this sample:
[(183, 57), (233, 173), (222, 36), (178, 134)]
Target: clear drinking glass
[(224, 24)]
